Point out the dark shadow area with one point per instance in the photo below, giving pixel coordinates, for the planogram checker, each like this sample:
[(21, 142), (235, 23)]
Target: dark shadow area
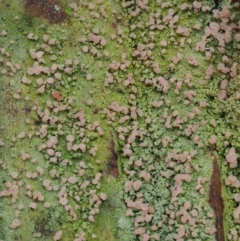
[(112, 162), (215, 199), (217, 2)]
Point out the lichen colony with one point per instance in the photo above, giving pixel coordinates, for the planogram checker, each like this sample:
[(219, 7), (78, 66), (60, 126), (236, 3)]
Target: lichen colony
[(119, 120)]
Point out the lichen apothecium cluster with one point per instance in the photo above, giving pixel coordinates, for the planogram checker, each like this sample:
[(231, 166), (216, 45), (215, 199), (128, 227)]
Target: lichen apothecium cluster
[(119, 120)]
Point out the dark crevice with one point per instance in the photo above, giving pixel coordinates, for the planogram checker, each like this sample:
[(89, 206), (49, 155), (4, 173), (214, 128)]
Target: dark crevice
[(217, 2), (112, 162), (215, 199)]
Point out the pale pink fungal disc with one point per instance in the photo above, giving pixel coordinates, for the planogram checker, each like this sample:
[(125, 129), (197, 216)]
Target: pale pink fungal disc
[(103, 196), (72, 180), (231, 158), (137, 185), (32, 205), (57, 236)]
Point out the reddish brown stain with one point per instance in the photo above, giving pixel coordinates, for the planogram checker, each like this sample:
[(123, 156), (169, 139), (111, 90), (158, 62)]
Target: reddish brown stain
[(215, 199), (112, 163), (46, 9), (56, 95)]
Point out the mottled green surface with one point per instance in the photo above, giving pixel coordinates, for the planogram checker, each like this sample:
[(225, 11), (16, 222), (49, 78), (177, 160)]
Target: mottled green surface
[(111, 224)]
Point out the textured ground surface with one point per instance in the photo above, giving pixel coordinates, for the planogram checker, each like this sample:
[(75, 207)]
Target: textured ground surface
[(119, 120)]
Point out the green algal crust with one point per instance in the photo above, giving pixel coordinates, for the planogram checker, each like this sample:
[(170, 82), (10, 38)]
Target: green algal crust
[(147, 118)]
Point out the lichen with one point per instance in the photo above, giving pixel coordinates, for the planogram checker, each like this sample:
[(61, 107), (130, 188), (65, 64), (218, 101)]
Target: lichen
[(110, 120)]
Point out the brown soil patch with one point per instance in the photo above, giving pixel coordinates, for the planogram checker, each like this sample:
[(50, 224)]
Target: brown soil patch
[(8, 104), (112, 163), (215, 198), (46, 9)]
